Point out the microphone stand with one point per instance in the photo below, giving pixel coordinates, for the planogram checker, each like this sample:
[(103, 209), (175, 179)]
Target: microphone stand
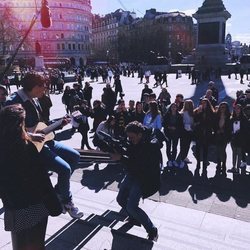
[(33, 21)]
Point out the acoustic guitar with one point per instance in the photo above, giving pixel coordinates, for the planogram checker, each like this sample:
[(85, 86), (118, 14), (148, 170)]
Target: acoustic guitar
[(46, 130)]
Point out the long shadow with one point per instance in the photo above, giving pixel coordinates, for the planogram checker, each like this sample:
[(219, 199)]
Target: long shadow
[(78, 233), (201, 88), (175, 180), (98, 179), (200, 187), (122, 241)]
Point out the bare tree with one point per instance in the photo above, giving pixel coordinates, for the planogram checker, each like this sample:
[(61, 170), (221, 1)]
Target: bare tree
[(10, 35)]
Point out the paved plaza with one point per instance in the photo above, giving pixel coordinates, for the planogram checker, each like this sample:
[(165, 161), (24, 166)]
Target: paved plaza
[(191, 212)]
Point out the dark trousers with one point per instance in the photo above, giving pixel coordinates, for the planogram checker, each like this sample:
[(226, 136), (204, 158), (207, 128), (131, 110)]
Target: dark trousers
[(172, 148), (30, 239), (221, 152), (84, 132), (185, 142), (201, 147), (128, 198)]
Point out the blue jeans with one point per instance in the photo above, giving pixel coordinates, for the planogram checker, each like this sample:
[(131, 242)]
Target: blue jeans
[(62, 160), (128, 198)]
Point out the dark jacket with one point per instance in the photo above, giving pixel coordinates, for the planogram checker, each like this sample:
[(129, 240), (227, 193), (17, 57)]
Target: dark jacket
[(143, 163), (203, 127), (23, 180), (222, 135), (238, 137), (177, 123)]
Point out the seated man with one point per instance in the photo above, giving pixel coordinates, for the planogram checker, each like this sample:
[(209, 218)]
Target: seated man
[(56, 156)]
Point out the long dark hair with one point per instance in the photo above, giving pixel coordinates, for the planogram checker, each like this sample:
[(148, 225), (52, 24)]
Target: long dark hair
[(227, 110), (12, 132)]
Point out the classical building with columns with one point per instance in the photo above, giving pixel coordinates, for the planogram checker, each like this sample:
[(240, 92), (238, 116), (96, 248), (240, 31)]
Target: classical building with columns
[(69, 35)]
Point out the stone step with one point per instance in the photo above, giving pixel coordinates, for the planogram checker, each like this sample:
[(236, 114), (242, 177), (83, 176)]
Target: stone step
[(177, 229)]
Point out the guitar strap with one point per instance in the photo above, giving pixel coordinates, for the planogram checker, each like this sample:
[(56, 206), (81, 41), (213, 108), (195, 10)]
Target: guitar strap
[(38, 108)]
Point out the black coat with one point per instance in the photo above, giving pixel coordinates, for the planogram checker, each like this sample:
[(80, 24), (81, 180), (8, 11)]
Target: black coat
[(143, 163), (222, 136), (24, 181), (166, 122)]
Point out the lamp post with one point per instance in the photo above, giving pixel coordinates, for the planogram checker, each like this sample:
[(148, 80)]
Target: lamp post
[(46, 23), (107, 55)]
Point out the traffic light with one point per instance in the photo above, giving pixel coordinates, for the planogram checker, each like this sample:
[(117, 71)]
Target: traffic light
[(45, 14)]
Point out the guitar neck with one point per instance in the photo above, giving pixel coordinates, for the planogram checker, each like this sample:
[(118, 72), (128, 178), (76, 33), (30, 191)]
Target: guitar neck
[(52, 127)]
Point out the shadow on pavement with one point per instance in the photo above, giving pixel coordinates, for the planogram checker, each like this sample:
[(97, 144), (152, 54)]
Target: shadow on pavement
[(200, 187), (98, 179), (1, 210), (201, 88), (78, 233), (123, 241)]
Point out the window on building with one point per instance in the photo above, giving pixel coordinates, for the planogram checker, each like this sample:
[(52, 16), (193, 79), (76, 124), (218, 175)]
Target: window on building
[(63, 46), (74, 46), (58, 46), (62, 35)]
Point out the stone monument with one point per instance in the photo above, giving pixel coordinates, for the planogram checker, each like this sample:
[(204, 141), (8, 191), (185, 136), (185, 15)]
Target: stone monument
[(210, 47), (39, 59)]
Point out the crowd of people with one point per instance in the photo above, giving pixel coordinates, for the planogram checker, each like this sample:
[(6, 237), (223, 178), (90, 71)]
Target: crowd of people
[(177, 123), (182, 123)]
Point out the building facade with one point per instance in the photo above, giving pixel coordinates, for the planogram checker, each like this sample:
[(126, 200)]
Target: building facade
[(120, 36), (105, 34), (69, 35), (156, 36)]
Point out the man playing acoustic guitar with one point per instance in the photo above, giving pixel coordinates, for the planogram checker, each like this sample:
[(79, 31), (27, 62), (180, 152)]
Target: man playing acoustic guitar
[(56, 156)]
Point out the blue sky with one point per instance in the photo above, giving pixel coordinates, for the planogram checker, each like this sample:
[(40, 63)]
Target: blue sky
[(238, 25)]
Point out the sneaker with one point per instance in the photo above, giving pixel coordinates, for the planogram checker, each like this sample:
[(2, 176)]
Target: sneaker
[(175, 163), (72, 210), (186, 160), (170, 164), (243, 164), (182, 164), (153, 234)]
